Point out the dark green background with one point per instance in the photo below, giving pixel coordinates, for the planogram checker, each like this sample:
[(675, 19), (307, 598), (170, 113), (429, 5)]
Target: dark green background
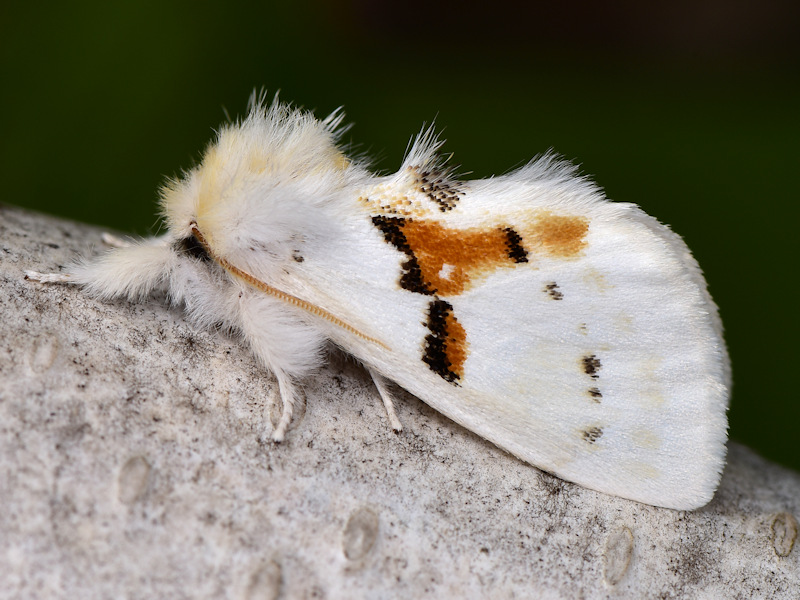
[(689, 110)]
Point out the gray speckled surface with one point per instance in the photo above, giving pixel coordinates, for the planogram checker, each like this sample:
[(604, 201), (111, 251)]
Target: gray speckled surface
[(131, 467)]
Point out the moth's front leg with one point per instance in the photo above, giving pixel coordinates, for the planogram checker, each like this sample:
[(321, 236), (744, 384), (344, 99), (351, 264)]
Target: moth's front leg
[(283, 343), (48, 277), (109, 239), (114, 241), (134, 270)]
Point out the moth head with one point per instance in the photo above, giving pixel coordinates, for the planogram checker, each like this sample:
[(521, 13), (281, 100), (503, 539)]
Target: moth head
[(260, 184)]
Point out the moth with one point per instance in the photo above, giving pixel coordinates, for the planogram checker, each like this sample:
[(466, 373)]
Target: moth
[(573, 332)]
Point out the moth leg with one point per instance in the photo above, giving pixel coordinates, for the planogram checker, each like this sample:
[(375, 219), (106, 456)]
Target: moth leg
[(286, 388), (48, 277), (285, 345), (132, 272), (109, 239), (132, 269), (387, 397)]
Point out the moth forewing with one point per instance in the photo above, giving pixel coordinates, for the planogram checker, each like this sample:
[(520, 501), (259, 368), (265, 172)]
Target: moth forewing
[(597, 358)]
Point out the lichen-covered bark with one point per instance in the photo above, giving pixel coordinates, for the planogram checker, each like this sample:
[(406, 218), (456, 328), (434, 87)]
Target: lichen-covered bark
[(131, 466)]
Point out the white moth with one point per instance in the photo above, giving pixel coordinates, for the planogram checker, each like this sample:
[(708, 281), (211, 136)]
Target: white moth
[(573, 332)]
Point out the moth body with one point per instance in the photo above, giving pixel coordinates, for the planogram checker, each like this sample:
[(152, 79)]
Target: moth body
[(573, 332)]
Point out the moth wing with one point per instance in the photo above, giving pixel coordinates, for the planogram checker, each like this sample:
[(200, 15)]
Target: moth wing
[(598, 358), (609, 369)]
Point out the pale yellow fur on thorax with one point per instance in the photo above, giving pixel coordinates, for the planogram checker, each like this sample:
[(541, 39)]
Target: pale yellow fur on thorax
[(236, 161)]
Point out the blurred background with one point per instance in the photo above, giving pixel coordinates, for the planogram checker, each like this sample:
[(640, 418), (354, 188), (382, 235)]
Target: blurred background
[(688, 108)]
